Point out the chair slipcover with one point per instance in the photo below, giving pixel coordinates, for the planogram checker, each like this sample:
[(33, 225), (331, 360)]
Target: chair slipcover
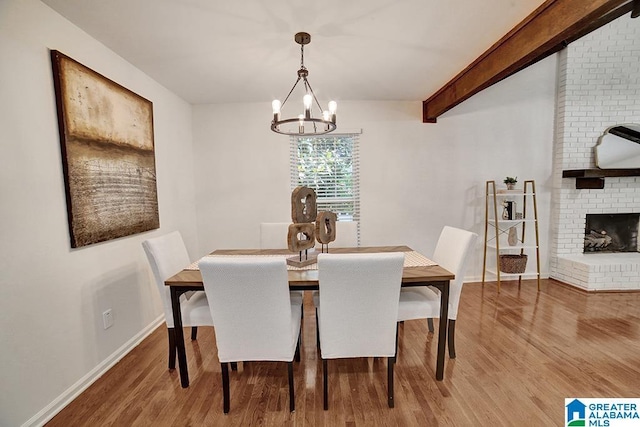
[(358, 304), (250, 305), (452, 253), (358, 308), (346, 235), (255, 318), (273, 235), (167, 256)]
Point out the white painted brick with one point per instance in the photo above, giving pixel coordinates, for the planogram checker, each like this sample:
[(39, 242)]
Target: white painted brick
[(591, 97)]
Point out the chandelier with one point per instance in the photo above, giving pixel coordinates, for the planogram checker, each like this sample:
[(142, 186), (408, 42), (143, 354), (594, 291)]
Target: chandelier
[(304, 124)]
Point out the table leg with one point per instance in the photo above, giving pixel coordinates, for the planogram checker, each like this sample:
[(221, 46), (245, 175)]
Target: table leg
[(442, 330), (179, 336)]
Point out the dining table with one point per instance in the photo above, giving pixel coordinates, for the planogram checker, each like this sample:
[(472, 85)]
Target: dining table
[(418, 270)]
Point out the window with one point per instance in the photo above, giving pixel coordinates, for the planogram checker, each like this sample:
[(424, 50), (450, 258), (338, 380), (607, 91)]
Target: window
[(330, 165)]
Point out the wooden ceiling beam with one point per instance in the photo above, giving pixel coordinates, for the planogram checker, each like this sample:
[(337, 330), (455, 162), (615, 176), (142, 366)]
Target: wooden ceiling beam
[(548, 29)]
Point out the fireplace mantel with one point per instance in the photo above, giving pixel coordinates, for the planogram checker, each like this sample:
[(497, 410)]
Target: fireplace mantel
[(594, 178)]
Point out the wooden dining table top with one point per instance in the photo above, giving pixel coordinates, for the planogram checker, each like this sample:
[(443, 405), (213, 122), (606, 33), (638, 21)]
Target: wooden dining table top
[(302, 278)]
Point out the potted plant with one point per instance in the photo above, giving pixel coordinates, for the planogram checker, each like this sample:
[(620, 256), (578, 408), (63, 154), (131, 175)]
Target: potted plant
[(511, 182)]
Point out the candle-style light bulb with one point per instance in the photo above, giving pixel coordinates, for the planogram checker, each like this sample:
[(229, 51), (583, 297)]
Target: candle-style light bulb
[(301, 123), (333, 106), (326, 117), (275, 105), (307, 100)]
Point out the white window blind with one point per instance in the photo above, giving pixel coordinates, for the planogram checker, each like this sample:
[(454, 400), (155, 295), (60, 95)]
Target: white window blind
[(330, 165)]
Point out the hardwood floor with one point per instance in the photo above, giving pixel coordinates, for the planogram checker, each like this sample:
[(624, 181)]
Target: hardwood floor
[(519, 354)]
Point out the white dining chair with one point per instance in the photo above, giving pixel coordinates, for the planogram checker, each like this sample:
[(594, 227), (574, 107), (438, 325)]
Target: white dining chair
[(423, 302), (346, 235), (358, 309), (253, 313), (167, 256), (273, 235)]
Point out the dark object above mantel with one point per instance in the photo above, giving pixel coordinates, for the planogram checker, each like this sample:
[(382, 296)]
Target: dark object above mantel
[(594, 178)]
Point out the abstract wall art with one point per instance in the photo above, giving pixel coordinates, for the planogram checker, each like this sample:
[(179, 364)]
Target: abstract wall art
[(108, 159)]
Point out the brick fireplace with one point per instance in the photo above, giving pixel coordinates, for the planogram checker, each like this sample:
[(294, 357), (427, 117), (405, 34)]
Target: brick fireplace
[(598, 87)]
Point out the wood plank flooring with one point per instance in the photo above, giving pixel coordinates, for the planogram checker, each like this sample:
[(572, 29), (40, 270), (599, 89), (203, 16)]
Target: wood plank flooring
[(519, 354)]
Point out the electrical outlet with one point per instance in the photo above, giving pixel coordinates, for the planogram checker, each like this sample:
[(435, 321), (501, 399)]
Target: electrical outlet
[(107, 319)]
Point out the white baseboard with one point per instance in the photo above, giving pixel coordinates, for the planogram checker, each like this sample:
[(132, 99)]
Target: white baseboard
[(49, 411)]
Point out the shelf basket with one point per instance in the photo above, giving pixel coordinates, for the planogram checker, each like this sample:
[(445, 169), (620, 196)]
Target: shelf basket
[(513, 264)]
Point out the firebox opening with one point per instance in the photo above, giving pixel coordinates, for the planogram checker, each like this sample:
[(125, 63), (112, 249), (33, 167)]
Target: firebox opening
[(611, 232)]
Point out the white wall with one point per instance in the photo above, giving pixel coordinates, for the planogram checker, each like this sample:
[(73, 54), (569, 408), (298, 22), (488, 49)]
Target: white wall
[(415, 177), (53, 297)]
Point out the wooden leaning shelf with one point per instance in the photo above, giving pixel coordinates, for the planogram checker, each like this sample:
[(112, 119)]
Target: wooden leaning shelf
[(508, 234)]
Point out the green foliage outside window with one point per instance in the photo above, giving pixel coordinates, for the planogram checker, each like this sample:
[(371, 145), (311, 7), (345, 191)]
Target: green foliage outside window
[(326, 164)]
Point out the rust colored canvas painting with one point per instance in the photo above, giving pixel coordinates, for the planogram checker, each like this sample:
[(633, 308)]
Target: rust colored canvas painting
[(106, 138)]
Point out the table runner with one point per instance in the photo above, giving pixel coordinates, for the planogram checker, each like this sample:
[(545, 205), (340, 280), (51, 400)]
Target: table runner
[(411, 259)]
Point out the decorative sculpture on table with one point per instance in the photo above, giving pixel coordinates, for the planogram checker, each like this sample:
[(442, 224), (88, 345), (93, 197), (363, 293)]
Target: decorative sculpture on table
[(303, 232), (326, 228)]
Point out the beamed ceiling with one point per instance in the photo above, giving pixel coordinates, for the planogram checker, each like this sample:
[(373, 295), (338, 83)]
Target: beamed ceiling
[(552, 26), (212, 51)]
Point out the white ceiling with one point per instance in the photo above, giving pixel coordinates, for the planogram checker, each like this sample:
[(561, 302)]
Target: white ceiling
[(212, 51)]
